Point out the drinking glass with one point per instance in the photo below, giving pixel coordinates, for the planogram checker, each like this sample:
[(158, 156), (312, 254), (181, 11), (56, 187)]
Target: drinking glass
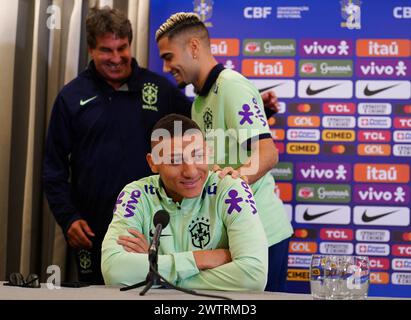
[(317, 265)]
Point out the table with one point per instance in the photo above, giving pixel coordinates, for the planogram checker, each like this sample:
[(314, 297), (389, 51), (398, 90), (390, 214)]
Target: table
[(114, 293)]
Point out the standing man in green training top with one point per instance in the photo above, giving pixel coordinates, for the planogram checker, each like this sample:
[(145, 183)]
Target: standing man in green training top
[(207, 243), (228, 101)]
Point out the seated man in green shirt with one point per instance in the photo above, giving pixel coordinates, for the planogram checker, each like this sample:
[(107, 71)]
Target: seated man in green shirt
[(207, 243), (229, 104)]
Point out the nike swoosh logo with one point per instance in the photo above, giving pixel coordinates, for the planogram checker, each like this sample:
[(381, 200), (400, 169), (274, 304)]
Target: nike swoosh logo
[(312, 92), (369, 92), (366, 218), (84, 102), (309, 217), (161, 235), (270, 87)]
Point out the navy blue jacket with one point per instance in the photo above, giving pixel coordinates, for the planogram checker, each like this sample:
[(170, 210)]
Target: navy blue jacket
[(98, 139)]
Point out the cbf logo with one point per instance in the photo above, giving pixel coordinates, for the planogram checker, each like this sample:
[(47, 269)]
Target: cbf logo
[(351, 12), (84, 257), (149, 93), (208, 119), (200, 232), (204, 8)]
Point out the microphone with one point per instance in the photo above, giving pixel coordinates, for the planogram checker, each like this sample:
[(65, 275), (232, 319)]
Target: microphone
[(160, 220)]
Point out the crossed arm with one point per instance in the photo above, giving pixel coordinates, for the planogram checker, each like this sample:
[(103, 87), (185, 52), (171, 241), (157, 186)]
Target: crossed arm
[(204, 259)]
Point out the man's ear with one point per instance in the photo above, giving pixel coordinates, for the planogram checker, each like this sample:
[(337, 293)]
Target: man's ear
[(194, 47), (150, 162)]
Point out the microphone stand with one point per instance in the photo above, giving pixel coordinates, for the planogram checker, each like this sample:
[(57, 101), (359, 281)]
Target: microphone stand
[(152, 278)]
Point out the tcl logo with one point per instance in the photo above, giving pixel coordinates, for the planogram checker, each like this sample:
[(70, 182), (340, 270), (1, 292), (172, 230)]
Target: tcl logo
[(339, 108), (401, 250), (257, 12), (336, 234), (402, 123), (379, 263), (303, 247), (374, 136)]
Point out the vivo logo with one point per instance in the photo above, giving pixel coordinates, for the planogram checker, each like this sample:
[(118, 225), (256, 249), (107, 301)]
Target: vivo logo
[(323, 172), (326, 47), (381, 194)]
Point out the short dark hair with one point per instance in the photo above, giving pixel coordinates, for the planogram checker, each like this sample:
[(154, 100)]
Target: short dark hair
[(182, 22), (107, 20), (167, 123)]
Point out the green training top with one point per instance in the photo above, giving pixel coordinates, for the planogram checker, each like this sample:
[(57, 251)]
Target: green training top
[(234, 104), (221, 217)]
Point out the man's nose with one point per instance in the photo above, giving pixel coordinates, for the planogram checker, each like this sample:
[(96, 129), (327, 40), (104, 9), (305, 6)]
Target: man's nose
[(116, 57), (189, 170), (166, 67)]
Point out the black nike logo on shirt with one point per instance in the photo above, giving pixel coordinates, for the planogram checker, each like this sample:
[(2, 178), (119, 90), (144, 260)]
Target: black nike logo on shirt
[(312, 92), (270, 87), (309, 217), (366, 218), (369, 92)]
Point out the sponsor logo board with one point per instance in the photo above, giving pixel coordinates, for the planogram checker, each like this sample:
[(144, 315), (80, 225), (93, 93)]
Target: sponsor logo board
[(225, 47), (336, 248), (338, 135), (326, 48), (283, 88), (269, 47), (372, 235), (382, 194), (372, 249), (381, 216), (336, 234), (402, 150), (299, 261), (331, 193), (401, 278), (375, 109), (381, 173), (325, 68), (339, 108), (303, 135), (323, 172), (379, 89), (320, 89), (383, 48), (322, 214), (268, 68)]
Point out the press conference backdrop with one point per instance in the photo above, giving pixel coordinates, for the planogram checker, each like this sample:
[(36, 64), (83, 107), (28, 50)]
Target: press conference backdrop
[(342, 72)]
